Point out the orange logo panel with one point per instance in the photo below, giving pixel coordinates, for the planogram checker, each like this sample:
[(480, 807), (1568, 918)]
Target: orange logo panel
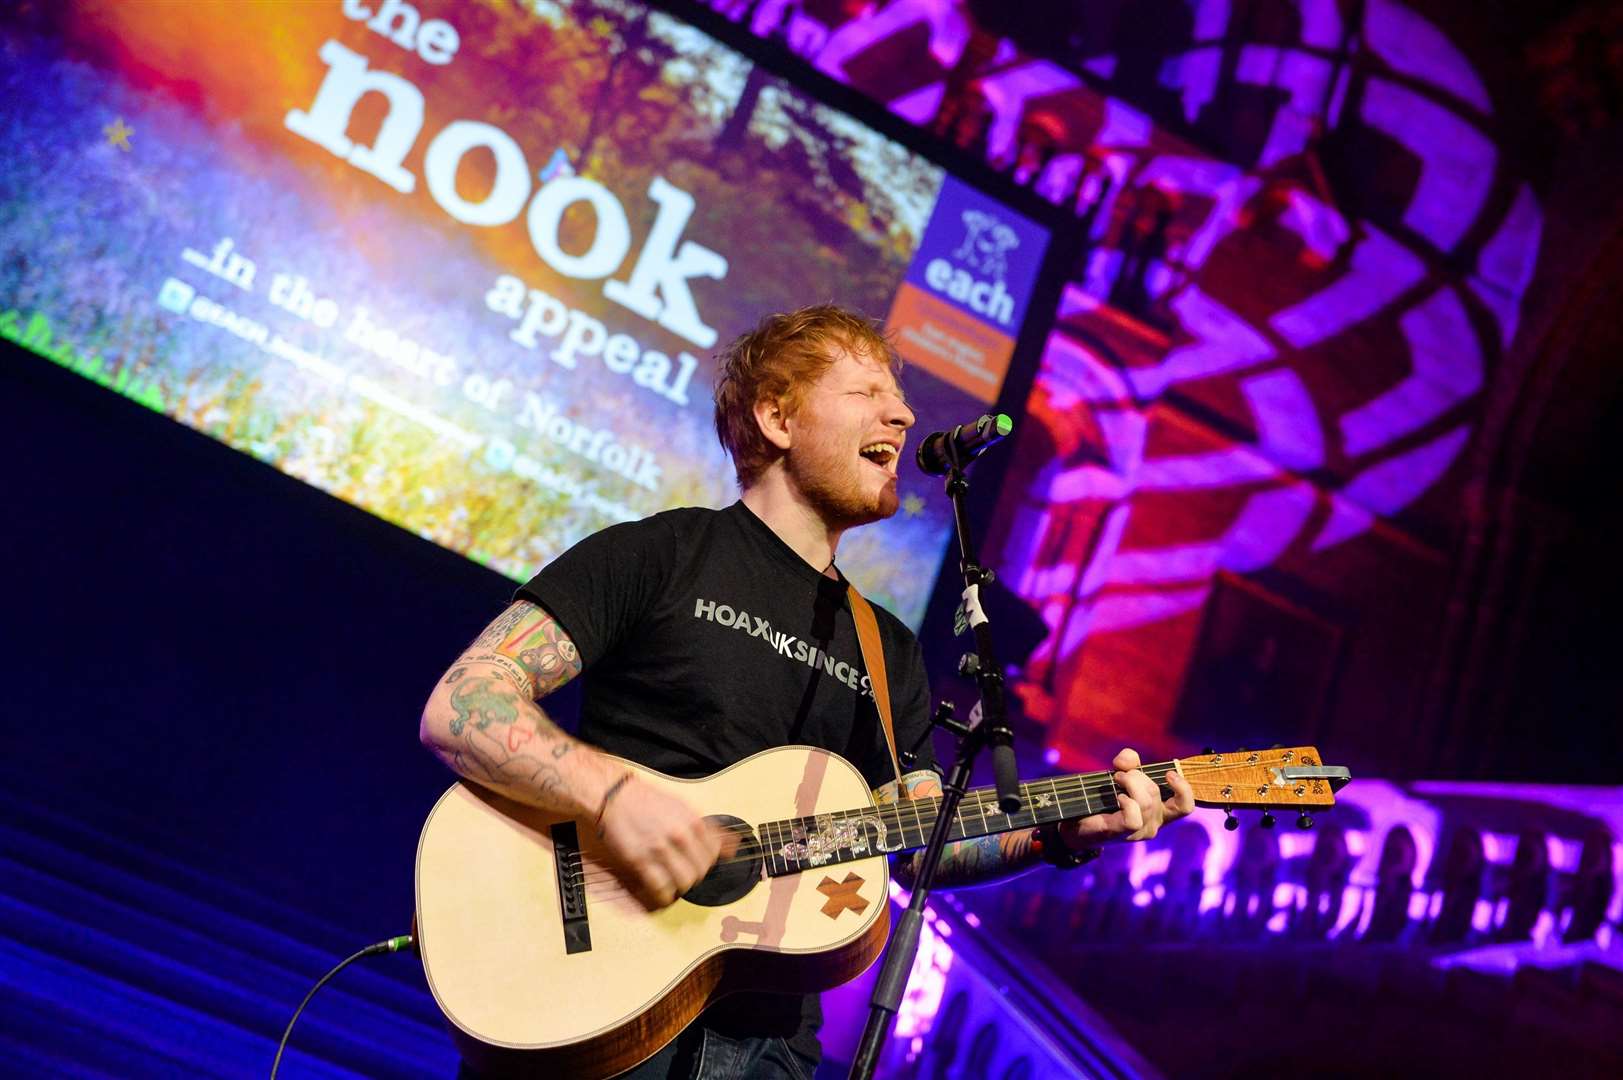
[(949, 344)]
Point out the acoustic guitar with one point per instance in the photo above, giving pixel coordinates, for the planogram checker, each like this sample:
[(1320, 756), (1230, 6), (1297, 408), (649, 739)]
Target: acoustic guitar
[(546, 966)]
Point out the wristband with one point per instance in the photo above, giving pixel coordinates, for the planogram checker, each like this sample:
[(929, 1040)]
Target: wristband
[(613, 789), (1053, 850)]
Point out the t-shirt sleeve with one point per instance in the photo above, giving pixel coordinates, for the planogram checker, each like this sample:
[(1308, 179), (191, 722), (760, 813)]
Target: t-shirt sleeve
[(602, 588)]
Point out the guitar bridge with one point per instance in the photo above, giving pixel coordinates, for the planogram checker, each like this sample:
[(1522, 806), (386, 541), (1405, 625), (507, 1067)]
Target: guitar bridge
[(571, 887)]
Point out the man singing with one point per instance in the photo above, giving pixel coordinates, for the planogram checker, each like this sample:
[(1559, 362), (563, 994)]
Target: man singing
[(809, 407)]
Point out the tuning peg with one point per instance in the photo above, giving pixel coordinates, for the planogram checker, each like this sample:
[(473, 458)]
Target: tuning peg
[(1267, 821), (1305, 821), (1230, 822)]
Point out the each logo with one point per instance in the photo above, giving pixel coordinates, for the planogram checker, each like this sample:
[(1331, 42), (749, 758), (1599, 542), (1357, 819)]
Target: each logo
[(987, 243), (983, 258)]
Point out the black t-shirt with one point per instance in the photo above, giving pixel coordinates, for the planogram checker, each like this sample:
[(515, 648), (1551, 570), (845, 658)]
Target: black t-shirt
[(706, 639)]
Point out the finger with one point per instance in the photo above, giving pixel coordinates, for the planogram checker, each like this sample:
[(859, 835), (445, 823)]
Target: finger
[(1148, 798), (653, 888), (684, 836), (687, 867), (1182, 802), (1076, 834), (676, 869), (1132, 815), (1099, 828), (1126, 761), (707, 841), (702, 847)]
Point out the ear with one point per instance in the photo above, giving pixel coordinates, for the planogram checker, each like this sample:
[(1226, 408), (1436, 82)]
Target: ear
[(773, 421)]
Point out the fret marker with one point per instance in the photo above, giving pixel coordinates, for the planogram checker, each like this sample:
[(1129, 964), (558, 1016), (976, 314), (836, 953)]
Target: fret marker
[(842, 895)]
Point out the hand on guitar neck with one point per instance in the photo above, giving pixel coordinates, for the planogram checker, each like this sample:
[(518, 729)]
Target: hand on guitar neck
[(1143, 810)]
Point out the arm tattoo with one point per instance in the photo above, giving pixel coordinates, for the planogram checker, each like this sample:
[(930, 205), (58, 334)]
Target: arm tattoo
[(501, 767), (546, 652), (503, 734), (986, 858), (482, 700), (500, 734), (966, 862), (530, 646), (514, 670), (498, 630)]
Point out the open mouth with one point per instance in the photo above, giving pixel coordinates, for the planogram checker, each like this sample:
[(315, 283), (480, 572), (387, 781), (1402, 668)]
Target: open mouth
[(882, 455)]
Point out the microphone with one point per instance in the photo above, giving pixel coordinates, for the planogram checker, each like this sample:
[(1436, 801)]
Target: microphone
[(966, 442)]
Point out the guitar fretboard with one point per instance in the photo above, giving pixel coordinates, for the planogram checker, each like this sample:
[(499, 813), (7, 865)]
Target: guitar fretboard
[(798, 844)]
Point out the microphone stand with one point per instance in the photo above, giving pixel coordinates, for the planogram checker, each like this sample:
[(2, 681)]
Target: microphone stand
[(992, 730)]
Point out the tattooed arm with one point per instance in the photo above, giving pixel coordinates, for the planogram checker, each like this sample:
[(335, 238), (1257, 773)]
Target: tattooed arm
[(482, 720), (967, 862), (993, 858)]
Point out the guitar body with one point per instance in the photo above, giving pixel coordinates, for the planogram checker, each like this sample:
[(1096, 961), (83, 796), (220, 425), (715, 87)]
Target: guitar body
[(541, 981)]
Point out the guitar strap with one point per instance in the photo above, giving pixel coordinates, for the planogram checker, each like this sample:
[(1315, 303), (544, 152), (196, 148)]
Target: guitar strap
[(873, 658)]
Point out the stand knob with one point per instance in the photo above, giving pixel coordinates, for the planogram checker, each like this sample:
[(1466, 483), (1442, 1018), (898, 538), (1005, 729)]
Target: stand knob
[(969, 665), (1267, 821), (1305, 821), (1230, 822)]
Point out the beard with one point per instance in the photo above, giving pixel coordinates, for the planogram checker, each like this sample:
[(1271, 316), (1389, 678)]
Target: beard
[(841, 487)]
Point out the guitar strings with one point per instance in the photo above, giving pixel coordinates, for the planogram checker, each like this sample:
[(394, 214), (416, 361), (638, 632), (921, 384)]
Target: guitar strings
[(977, 800), (925, 810), (1065, 789), (924, 818)]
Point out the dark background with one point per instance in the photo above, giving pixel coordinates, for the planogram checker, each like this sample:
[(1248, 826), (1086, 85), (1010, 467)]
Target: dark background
[(216, 660)]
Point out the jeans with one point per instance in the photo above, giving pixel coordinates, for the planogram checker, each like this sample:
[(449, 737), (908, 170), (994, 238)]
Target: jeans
[(701, 1054)]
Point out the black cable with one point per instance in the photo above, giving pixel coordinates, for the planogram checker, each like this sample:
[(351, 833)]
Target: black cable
[(394, 944)]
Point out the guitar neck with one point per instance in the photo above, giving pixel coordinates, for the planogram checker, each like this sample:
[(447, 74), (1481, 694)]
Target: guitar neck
[(801, 843)]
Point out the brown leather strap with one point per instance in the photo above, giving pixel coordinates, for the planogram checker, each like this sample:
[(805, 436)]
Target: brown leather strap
[(873, 658)]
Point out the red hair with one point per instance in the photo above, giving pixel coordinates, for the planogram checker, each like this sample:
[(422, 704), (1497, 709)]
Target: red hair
[(777, 361)]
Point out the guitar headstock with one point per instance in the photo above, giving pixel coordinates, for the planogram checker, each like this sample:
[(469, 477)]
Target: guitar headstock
[(1264, 779)]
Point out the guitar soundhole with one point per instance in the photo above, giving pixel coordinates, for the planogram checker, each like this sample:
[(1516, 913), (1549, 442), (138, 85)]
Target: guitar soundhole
[(731, 878)]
